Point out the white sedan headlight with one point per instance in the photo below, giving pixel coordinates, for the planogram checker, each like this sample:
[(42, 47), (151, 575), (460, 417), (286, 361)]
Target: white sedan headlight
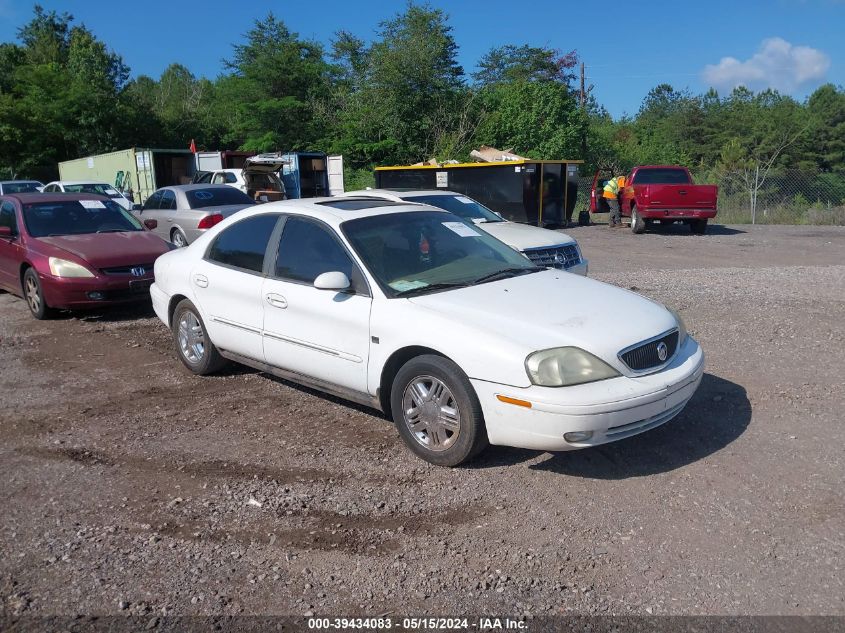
[(65, 268), (682, 328), (566, 366)]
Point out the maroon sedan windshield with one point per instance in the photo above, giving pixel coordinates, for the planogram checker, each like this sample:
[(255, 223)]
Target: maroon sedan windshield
[(77, 217)]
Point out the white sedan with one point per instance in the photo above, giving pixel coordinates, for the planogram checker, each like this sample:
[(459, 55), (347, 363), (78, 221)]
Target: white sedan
[(84, 186), (416, 312), (544, 247)]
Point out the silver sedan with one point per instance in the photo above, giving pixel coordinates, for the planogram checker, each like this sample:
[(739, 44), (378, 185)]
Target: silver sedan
[(184, 212)]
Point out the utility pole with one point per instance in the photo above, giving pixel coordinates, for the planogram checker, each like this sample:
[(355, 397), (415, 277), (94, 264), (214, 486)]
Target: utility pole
[(582, 102), (583, 97)]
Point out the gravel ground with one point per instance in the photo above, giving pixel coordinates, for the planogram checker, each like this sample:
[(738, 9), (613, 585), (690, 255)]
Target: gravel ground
[(133, 487)]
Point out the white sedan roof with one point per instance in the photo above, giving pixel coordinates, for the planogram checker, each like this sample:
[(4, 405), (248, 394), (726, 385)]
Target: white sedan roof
[(338, 209), (79, 182)]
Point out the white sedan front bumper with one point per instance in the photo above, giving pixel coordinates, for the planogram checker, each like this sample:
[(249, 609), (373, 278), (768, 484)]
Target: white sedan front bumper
[(612, 409), (161, 303)]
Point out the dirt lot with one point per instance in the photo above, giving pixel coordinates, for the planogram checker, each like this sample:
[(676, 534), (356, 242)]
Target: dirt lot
[(126, 482)]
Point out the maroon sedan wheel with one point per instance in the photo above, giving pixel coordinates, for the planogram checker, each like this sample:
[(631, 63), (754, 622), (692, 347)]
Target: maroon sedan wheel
[(34, 296)]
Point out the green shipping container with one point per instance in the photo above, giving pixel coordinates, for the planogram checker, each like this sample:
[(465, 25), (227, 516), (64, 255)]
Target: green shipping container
[(137, 172)]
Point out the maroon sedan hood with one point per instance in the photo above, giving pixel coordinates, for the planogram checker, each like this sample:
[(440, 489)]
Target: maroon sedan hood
[(108, 250)]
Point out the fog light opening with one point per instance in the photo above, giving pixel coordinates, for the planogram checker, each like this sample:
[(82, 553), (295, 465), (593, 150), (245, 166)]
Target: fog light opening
[(574, 437), (96, 295)]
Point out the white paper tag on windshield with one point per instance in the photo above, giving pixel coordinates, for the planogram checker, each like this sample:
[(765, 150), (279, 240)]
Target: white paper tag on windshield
[(92, 204), (403, 284), (461, 229), (464, 199), (111, 192)]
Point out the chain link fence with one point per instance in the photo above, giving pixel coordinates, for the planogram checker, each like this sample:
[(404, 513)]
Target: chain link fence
[(790, 196)]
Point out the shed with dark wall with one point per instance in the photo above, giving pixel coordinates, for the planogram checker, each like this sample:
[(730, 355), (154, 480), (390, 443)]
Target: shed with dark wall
[(538, 192)]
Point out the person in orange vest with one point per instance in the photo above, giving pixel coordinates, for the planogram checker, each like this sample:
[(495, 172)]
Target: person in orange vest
[(611, 191)]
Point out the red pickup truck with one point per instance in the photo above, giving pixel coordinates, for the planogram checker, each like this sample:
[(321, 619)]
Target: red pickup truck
[(659, 193)]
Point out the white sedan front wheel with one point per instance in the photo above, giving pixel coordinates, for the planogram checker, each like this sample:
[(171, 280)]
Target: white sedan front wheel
[(437, 412)]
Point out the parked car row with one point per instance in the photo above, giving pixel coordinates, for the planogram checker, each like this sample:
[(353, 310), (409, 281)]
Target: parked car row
[(425, 305)]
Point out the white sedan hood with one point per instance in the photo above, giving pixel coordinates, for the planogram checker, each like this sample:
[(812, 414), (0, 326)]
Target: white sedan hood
[(523, 236), (555, 309)]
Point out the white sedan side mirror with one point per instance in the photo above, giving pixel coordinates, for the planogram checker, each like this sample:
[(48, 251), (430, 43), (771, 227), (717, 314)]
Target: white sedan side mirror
[(333, 280)]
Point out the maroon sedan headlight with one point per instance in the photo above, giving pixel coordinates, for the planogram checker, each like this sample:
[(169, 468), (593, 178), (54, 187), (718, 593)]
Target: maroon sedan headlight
[(66, 268)]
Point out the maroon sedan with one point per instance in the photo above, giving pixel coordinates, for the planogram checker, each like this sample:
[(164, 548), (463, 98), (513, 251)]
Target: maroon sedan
[(74, 251)]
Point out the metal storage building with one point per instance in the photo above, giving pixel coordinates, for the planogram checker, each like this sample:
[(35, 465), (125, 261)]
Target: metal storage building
[(539, 192)]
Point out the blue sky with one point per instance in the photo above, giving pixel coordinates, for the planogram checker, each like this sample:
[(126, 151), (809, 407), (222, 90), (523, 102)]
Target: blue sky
[(629, 47)]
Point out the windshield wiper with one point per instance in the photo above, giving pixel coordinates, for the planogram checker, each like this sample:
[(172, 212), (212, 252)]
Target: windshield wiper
[(505, 273), (438, 286), (113, 230)]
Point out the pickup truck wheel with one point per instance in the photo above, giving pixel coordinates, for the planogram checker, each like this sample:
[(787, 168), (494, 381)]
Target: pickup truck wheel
[(698, 227), (194, 348), (437, 412), (637, 221)]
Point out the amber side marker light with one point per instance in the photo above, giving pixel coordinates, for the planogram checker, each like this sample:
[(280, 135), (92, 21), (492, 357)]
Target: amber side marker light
[(516, 401)]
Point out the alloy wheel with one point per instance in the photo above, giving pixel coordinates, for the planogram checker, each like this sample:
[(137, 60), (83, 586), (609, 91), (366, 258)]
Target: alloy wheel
[(431, 413), (179, 239), (33, 296), (191, 338)]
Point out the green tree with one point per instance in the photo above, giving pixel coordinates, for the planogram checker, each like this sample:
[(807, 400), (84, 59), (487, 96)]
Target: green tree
[(403, 98), (525, 63), (266, 100), (539, 119), (825, 140), (59, 95)]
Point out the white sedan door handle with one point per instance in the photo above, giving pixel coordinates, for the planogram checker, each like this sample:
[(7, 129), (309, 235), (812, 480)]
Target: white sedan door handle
[(277, 301), (201, 281)]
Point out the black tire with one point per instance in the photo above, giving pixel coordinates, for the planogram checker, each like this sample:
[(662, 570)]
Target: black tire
[(698, 227), (178, 239), (584, 218), (637, 221), (456, 447), (34, 296), (204, 361)]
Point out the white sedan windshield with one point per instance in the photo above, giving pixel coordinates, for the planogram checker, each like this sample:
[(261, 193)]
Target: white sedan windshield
[(462, 206), (97, 188), (415, 253)]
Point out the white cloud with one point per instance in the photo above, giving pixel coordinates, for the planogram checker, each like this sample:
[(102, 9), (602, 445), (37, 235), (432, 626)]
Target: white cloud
[(776, 64)]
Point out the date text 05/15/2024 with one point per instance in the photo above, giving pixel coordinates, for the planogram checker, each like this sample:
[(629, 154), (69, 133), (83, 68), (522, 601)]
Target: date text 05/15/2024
[(384, 623)]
